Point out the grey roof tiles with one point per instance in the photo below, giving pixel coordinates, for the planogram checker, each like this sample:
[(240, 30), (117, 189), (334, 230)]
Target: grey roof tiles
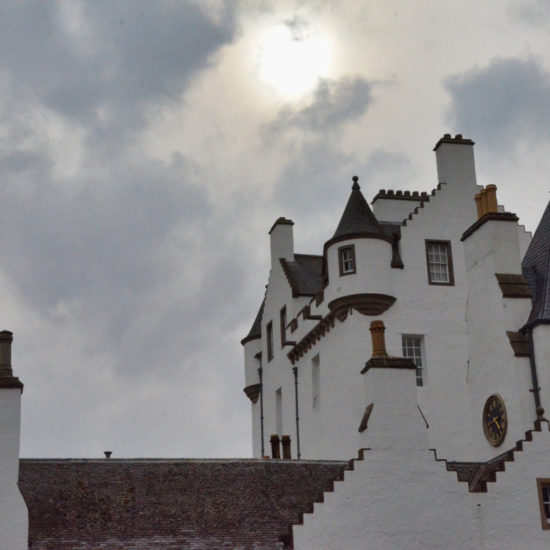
[(536, 269)]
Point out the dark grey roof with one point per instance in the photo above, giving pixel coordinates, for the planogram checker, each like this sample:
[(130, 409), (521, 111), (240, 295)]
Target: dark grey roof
[(166, 504), (536, 269), (256, 328), (304, 274), (357, 218)]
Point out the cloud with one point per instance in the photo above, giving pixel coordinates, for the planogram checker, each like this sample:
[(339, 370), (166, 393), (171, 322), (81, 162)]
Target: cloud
[(109, 262), (334, 103), (534, 12), (501, 104), (118, 59), (315, 185)]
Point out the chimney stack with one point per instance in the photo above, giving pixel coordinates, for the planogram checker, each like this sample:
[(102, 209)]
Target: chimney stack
[(6, 338), (282, 241), (14, 515), (486, 201), (455, 160)]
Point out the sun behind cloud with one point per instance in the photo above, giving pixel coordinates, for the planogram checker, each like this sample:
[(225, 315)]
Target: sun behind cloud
[(291, 58)]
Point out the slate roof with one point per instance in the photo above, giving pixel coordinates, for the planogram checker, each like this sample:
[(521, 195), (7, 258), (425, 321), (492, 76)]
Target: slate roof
[(168, 504), (357, 218), (536, 269), (256, 328), (304, 274)]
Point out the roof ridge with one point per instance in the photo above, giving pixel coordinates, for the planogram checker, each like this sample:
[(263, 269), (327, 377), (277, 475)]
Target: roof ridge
[(320, 256)]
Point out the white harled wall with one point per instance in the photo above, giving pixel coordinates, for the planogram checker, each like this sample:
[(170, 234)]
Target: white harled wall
[(407, 500), (492, 366)]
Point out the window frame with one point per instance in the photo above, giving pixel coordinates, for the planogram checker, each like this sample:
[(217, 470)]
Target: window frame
[(543, 483), (450, 270), (269, 338), (282, 322), (315, 381), (421, 378), (341, 251)]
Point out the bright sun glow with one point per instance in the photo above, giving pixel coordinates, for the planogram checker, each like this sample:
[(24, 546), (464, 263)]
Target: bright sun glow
[(292, 65)]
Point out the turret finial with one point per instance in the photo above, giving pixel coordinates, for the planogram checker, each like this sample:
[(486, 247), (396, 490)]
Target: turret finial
[(355, 185)]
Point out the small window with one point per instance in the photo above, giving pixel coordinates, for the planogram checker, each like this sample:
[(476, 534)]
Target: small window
[(346, 256), (412, 349), (544, 501), (440, 263), (279, 410), (269, 330), (283, 326), (315, 381)]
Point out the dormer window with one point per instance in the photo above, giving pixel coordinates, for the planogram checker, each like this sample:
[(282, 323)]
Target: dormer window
[(346, 255)]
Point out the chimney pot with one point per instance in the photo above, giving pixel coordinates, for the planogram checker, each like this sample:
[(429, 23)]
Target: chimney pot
[(286, 447), (458, 136), (483, 194), (108, 454), (275, 446), (491, 194), (6, 338), (448, 136), (377, 329), (478, 205)]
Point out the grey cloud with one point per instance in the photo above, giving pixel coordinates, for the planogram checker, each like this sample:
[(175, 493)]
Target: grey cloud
[(132, 53), (73, 234), (535, 12), (334, 103), (319, 176), (503, 103)]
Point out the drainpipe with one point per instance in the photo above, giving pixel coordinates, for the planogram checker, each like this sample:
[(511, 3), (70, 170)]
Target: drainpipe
[(295, 371), (534, 378), (260, 372)]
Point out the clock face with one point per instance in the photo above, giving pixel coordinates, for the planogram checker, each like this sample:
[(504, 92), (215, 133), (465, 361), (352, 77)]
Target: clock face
[(495, 421)]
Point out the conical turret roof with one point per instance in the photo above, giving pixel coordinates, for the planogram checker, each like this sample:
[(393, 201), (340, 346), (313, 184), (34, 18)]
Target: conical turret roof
[(358, 218), (536, 269)]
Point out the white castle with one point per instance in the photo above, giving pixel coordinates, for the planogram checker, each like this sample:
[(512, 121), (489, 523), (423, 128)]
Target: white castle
[(417, 342), (421, 340)]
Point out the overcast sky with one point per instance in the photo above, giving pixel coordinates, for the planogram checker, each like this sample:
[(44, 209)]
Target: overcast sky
[(147, 147)]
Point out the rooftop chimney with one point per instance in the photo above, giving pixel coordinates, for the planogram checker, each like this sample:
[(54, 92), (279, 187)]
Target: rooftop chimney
[(455, 160), (6, 338), (108, 454), (282, 241), (377, 329)]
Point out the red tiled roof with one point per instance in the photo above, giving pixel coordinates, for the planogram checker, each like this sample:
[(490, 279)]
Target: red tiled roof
[(167, 504)]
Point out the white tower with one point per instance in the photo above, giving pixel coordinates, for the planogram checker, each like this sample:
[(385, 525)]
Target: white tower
[(13, 510)]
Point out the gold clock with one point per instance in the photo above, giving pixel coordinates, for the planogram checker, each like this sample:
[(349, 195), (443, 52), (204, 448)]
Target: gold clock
[(495, 421)]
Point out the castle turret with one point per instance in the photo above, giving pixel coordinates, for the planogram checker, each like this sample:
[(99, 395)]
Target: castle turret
[(358, 260), (13, 511)]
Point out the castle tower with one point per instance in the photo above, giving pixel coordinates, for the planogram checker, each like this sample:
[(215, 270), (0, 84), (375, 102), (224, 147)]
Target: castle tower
[(358, 260)]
